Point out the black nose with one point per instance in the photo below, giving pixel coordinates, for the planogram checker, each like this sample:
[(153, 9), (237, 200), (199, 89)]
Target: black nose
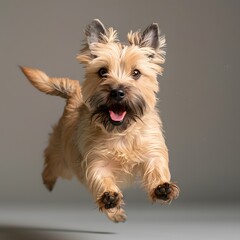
[(117, 94)]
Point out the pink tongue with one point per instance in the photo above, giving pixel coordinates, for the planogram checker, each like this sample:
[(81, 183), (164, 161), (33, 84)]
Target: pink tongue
[(117, 117)]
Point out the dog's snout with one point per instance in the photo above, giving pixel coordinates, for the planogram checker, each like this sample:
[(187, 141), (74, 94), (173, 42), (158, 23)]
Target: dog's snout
[(117, 94)]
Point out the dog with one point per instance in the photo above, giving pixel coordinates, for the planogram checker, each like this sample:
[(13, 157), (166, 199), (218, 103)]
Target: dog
[(110, 131)]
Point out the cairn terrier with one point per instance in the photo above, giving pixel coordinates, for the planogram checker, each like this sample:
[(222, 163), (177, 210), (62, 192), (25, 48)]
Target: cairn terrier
[(110, 131)]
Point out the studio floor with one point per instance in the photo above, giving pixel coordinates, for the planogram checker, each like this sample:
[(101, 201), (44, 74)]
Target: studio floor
[(145, 222)]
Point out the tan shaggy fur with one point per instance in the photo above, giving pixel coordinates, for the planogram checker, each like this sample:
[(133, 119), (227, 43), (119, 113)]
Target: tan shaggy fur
[(88, 142)]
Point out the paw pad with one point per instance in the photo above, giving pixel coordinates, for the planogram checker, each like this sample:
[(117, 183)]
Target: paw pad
[(110, 199), (166, 192)]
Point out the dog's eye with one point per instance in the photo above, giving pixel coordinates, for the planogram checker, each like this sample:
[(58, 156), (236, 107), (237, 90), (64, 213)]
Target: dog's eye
[(136, 74), (103, 72)]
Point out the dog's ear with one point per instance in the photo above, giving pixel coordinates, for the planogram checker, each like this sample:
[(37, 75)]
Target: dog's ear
[(151, 37), (94, 31)]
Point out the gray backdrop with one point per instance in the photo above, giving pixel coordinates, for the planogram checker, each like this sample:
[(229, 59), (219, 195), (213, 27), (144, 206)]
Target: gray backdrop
[(199, 99)]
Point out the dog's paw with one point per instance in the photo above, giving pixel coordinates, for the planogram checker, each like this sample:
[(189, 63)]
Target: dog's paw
[(165, 192), (49, 185), (110, 203), (48, 180), (116, 215), (110, 200)]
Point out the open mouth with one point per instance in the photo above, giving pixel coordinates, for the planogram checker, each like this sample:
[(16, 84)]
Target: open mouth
[(117, 114)]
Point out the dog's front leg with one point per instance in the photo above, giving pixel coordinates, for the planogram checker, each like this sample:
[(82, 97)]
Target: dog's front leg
[(102, 183), (156, 176)]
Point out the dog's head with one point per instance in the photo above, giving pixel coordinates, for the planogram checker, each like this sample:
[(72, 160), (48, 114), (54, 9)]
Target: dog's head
[(121, 80)]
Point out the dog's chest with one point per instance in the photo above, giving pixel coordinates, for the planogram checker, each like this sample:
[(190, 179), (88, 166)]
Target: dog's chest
[(124, 151)]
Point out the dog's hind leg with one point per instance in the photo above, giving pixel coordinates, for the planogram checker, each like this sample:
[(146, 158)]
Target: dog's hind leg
[(54, 166)]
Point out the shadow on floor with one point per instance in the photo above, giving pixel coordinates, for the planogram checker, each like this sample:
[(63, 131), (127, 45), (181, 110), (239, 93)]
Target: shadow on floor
[(31, 233)]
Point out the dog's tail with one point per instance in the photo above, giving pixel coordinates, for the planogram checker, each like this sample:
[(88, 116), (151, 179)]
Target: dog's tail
[(62, 87)]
